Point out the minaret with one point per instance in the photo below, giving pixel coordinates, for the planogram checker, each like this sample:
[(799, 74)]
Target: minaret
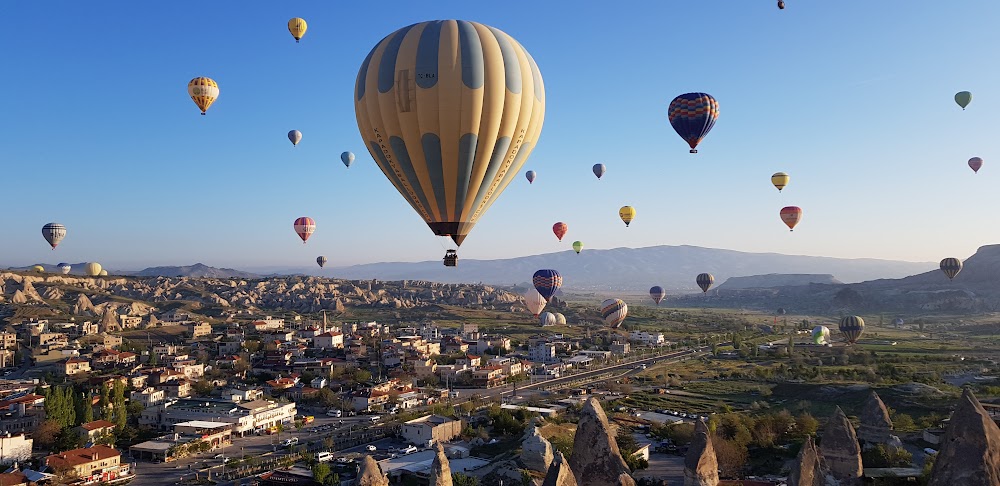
[(324, 321)]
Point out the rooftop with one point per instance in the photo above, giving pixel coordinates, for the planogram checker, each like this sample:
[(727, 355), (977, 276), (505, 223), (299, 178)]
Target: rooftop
[(84, 455), (203, 424), (97, 424)]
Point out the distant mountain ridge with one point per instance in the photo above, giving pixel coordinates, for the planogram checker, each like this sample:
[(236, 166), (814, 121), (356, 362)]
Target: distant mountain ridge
[(199, 270), (773, 280), (632, 269)]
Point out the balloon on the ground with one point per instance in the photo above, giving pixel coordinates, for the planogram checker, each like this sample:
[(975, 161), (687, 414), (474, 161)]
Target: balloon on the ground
[(705, 281), (820, 335), (450, 111), (295, 137), (976, 163), (347, 158), (963, 98), (547, 319), (951, 267), (898, 321), (321, 261), (534, 301), (614, 311), (560, 319), (627, 214), (780, 180), (530, 175), (791, 215), (693, 115), (304, 227), (93, 269), (53, 233), (204, 92), (547, 283), (560, 229), (657, 294), (103, 273), (852, 327), (297, 27), (577, 247), (599, 170), (65, 268), (38, 269)]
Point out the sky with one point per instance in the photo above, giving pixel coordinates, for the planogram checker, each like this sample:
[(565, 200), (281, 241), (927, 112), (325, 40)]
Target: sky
[(854, 99)]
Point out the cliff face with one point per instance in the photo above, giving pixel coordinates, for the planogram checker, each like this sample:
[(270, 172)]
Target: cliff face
[(876, 426), (808, 470), (701, 467), (596, 460), (970, 449), (841, 451)]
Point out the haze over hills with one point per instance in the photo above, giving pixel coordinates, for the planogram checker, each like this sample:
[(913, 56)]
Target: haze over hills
[(636, 269), (199, 270)]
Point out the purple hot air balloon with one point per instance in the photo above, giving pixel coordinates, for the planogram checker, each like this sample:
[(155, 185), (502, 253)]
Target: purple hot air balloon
[(657, 294), (693, 115), (530, 175), (976, 163), (547, 283)]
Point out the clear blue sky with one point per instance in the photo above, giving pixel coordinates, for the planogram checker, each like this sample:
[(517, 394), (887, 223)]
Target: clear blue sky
[(852, 98)]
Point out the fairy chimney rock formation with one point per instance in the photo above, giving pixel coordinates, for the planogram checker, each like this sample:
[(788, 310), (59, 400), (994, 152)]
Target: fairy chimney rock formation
[(969, 453), (371, 474), (559, 473), (876, 426), (596, 460), (840, 450), (701, 467), (536, 451), (807, 470), (440, 470)]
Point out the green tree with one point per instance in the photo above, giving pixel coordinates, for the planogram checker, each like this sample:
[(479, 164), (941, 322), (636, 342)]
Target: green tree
[(320, 472), (60, 406), (806, 424), (85, 408), (118, 408), (203, 387), (102, 406), (459, 479)]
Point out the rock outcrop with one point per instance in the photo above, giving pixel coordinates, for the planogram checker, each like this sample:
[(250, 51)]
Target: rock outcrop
[(808, 468), (559, 473), (596, 460), (371, 474), (841, 451), (876, 426), (701, 467), (536, 451), (440, 470), (969, 454)]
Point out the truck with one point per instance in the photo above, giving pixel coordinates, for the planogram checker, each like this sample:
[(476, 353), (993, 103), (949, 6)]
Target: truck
[(324, 456)]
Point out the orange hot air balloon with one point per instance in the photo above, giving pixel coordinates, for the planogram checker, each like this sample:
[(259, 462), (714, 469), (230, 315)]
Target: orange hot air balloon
[(791, 215), (560, 229)]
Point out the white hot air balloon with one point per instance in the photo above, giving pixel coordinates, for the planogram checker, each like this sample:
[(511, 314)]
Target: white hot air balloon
[(93, 269), (65, 268), (547, 319), (534, 301), (560, 319)]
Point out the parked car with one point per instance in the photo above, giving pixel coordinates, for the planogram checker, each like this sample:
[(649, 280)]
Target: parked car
[(289, 442), (409, 450), (370, 448)]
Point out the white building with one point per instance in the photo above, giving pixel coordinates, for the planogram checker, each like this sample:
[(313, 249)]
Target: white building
[(14, 448), (148, 397), (247, 418), (542, 353), (647, 338), (329, 340)]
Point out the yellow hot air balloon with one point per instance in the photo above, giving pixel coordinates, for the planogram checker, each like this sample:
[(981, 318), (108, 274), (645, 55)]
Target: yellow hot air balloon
[(450, 110), (297, 27), (780, 180), (203, 92), (38, 268), (93, 269), (627, 213)]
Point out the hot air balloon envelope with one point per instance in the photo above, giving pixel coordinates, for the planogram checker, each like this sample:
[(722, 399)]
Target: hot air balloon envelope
[(304, 227), (204, 92), (951, 267), (297, 27), (347, 158), (547, 283), (820, 335), (93, 269), (976, 163), (534, 301), (613, 311), (321, 261), (560, 229), (627, 214), (657, 294), (547, 319), (450, 110), (693, 115), (963, 98), (295, 137), (852, 327), (780, 180), (530, 175), (791, 215), (705, 281), (599, 170), (560, 319), (53, 233), (578, 246)]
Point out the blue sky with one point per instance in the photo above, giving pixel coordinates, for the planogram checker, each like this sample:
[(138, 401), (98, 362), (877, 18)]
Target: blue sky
[(852, 98)]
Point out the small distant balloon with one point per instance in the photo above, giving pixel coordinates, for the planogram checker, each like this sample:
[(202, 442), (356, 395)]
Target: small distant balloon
[(577, 247), (347, 158), (599, 170), (53, 233), (304, 227), (627, 213), (976, 163), (951, 267), (65, 268), (530, 175), (963, 98), (657, 294), (852, 327), (791, 215), (297, 27), (321, 261), (295, 137), (204, 92), (898, 321), (38, 269), (705, 281), (780, 180), (560, 229)]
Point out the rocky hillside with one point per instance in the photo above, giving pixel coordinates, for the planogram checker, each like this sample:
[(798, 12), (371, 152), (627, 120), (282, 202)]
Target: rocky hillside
[(86, 296), (197, 270), (776, 280)]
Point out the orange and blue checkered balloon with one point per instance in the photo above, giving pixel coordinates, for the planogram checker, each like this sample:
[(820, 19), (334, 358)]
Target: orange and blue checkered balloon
[(547, 283), (693, 115)]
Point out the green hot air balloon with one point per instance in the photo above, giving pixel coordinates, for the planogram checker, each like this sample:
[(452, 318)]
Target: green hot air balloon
[(963, 98), (852, 327), (577, 247)]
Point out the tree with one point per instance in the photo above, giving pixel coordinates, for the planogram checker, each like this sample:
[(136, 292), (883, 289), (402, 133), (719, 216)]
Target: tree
[(46, 433), (806, 424), (85, 408), (68, 439), (60, 406), (459, 479), (102, 406), (731, 455), (118, 408), (320, 472), (203, 387)]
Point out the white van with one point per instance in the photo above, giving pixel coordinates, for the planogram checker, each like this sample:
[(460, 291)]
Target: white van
[(334, 413), (375, 419), (289, 442), (324, 456), (409, 450)]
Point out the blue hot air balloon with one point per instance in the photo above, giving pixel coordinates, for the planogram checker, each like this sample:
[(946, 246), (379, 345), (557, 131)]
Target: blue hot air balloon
[(657, 294), (530, 175), (599, 170), (347, 158), (692, 115), (547, 283)]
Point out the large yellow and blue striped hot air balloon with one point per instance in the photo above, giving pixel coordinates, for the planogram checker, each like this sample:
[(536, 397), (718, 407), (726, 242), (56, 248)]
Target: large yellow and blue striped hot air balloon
[(951, 267), (852, 327), (614, 311), (450, 111)]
